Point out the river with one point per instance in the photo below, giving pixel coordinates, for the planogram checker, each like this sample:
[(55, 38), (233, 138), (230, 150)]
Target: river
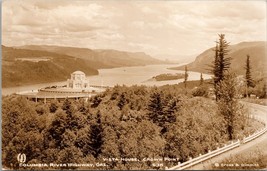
[(138, 75)]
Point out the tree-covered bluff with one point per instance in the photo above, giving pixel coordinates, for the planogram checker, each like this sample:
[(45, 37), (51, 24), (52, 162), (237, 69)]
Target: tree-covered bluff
[(123, 122)]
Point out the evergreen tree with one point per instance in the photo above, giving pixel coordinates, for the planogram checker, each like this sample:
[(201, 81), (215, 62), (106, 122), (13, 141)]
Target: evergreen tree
[(249, 81), (224, 62), (122, 101), (227, 104), (216, 66), (53, 107), (221, 63), (264, 93), (170, 112), (56, 129), (96, 136), (96, 101), (215, 71), (201, 80), (162, 111), (156, 108), (224, 85), (67, 106), (185, 76)]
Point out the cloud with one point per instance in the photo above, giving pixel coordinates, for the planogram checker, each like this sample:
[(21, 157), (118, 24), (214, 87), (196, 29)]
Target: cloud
[(146, 25), (108, 35), (69, 18), (138, 24), (148, 10), (156, 27)]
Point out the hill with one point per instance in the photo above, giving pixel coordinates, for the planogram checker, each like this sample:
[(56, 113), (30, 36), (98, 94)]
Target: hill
[(22, 67), (100, 58), (177, 58), (40, 64), (238, 53)]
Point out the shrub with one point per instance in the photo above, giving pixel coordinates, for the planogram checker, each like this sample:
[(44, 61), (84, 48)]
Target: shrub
[(200, 91)]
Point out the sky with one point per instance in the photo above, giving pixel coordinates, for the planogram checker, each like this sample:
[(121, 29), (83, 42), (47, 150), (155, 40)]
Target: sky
[(157, 28)]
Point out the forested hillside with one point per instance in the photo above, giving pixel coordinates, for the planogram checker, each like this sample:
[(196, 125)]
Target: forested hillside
[(43, 64), (129, 124), (238, 53), (100, 58), (22, 67)]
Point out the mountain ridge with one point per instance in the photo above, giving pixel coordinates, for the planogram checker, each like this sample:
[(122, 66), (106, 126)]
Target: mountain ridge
[(101, 58), (238, 53), (31, 66), (24, 67)]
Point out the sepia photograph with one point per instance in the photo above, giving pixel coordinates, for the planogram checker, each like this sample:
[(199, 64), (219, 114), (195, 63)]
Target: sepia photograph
[(134, 85)]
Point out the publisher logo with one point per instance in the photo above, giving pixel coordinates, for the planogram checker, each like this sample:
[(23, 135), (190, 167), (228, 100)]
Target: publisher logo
[(21, 158)]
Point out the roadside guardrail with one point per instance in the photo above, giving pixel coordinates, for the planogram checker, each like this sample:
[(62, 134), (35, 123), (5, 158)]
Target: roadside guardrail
[(206, 156), (210, 154)]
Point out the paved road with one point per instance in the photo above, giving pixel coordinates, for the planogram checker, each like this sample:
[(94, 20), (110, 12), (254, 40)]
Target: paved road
[(258, 111)]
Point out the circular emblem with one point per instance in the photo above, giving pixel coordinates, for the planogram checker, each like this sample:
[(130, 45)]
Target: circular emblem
[(21, 158)]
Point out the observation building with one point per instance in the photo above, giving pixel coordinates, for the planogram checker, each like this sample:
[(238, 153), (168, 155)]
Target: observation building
[(78, 81), (77, 87)]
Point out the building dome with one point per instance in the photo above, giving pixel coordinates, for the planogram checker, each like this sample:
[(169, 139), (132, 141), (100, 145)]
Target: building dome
[(78, 80), (78, 72)]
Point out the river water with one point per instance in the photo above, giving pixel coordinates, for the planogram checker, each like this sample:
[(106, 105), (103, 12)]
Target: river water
[(138, 75)]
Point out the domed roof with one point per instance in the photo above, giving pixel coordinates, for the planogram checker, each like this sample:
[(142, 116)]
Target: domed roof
[(78, 72)]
